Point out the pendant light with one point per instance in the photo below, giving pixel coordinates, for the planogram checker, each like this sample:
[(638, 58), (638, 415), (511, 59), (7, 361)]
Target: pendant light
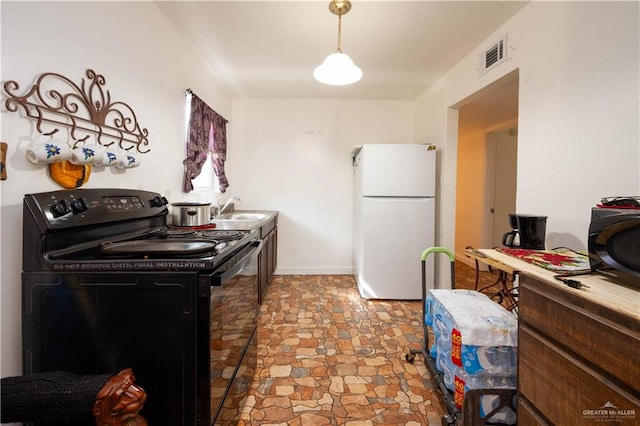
[(338, 69)]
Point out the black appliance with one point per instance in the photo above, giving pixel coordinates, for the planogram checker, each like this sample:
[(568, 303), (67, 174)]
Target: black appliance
[(614, 239), (107, 285), (527, 232)]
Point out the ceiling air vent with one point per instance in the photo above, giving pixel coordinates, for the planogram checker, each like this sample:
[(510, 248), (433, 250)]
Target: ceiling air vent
[(494, 55)]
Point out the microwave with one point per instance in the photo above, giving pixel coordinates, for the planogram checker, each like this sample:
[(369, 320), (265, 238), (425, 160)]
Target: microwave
[(614, 243)]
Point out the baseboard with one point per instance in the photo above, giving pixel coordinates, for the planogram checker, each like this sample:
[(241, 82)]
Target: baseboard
[(309, 270)]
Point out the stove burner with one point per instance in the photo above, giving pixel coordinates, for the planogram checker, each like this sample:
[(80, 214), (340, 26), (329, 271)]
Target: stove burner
[(222, 234), (176, 232), (198, 232)]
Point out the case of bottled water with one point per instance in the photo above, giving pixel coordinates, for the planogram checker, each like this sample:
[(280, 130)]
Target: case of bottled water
[(475, 346)]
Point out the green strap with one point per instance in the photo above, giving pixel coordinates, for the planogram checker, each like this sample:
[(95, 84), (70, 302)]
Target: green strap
[(430, 250)]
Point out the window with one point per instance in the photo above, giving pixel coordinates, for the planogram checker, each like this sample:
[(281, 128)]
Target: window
[(206, 137)]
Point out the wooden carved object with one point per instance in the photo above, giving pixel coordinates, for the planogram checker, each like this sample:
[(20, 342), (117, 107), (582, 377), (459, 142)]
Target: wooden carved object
[(3, 161), (119, 401)]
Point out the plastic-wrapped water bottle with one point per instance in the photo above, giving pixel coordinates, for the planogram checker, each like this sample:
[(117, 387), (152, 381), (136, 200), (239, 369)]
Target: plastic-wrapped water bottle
[(505, 415), (442, 349), (496, 360), (447, 371), (499, 359), (442, 327), (464, 382)]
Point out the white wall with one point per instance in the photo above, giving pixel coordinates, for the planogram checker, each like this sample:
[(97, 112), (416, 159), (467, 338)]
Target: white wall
[(578, 125), (145, 65), (294, 157)]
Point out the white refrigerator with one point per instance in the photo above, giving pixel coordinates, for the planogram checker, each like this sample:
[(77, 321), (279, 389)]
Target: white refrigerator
[(394, 214)]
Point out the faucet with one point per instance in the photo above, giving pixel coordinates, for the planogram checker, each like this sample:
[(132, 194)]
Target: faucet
[(219, 209)]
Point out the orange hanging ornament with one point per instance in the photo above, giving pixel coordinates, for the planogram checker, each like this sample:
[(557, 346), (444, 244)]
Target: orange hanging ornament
[(69, 175)]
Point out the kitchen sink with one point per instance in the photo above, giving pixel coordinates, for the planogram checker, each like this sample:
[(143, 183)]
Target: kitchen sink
[(241, 216)]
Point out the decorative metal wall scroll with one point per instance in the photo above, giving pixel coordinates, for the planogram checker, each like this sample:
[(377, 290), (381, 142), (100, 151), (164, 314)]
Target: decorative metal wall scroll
[(85, 109)]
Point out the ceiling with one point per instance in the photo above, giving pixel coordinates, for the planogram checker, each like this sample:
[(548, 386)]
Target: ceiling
[(270, 48), (495, 105)]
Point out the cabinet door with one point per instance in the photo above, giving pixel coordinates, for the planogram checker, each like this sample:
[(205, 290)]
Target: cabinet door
[(577, 359), (272, 253), (528, 416), (267, 261), (562, 386), (263, 266), (603, 337)]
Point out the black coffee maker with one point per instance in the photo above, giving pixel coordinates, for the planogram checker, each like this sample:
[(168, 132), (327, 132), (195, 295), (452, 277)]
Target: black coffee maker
[(528, 232)]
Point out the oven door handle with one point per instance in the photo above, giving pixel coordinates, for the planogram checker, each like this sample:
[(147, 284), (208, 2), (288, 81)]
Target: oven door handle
[(240, 265)]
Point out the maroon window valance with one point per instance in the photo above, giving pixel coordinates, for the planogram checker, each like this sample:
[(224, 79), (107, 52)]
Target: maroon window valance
[(207, 136)]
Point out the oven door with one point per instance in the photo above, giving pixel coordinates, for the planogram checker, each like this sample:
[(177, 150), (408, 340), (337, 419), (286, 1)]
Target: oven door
[(102, 322), (234, 310)]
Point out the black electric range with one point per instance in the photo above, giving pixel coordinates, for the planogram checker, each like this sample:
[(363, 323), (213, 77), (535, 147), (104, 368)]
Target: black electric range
[(108, 285)]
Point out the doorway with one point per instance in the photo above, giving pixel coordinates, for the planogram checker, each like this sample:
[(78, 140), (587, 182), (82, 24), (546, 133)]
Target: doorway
[(500, 183), (486, 165)]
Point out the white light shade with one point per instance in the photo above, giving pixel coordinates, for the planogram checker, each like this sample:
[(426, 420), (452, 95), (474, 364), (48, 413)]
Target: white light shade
[(337, 70)]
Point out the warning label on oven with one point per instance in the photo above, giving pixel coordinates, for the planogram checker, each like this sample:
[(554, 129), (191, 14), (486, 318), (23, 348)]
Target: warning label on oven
[(119, 266)]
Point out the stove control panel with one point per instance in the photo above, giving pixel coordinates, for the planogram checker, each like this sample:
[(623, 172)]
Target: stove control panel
[(79, 207), (122, 203)]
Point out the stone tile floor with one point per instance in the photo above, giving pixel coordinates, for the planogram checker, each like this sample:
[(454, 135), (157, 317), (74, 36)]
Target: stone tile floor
[(325, 356)]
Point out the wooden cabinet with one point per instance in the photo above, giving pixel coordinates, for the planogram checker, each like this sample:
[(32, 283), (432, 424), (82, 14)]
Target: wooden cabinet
[(578, 353), (268, 258)]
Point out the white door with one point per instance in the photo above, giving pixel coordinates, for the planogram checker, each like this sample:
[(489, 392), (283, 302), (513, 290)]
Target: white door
[(502, 155)]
